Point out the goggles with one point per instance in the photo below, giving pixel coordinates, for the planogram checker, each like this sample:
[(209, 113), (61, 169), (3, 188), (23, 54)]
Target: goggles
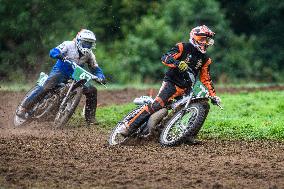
[(87, 44), (203, 40)]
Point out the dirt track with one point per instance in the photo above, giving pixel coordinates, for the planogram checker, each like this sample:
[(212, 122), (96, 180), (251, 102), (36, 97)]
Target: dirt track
[(39, 157)]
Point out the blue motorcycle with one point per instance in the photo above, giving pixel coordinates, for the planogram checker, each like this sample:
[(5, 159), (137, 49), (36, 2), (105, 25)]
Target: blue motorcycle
[(59, 104)]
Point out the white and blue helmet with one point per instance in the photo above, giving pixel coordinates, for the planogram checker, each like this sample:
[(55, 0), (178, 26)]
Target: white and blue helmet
[(85, 41)]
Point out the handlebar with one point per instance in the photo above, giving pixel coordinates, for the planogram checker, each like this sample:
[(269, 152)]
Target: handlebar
[(217, 104), (98, 80)]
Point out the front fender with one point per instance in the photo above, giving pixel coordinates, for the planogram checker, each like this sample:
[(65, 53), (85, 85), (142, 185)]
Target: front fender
[(199, 99), (79, 83)]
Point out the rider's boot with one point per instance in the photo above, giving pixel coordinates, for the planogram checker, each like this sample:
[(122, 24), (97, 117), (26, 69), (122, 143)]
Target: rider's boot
[(90, 113), (91, 106), (133, 124), (127, 130), (90, 119), (91, 122)]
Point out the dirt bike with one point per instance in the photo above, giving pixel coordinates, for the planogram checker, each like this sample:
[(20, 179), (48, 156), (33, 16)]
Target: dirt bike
[(179, 121), (60, 103)]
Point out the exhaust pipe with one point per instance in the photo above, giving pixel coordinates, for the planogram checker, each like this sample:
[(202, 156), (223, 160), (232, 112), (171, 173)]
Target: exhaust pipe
[(155, 118)]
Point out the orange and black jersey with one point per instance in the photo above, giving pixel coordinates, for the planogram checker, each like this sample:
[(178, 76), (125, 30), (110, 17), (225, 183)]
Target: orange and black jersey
[(197, 62)]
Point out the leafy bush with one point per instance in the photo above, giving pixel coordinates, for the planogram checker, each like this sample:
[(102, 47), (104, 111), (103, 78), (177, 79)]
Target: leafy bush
[(133, 35)]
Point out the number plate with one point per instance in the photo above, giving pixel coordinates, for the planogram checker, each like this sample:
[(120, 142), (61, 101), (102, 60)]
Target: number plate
[(80, 73), (199, 90)]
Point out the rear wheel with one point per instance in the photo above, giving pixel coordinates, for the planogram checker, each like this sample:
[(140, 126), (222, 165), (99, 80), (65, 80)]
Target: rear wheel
[(184, 124), (116, 138), (67, 109), (44, 109), (41, 111)]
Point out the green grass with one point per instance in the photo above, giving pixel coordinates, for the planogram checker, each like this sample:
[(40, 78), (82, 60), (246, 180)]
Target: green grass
[(106, 116), (258, 115), (247, 116), (110, 115), (13, 86), (247, 85)]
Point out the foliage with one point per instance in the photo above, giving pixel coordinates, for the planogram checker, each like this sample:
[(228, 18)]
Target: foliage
[(262, 21), (133, 35)]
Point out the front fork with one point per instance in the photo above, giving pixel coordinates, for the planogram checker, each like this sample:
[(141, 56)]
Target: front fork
[(66, 96), (184, 109), (188, 102)]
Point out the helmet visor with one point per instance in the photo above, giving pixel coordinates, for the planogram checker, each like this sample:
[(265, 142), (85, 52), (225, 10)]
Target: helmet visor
[(87, 44)]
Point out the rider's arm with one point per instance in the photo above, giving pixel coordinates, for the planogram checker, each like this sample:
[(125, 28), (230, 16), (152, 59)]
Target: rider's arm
[(206, 79), (94, 67), (170, 58), (59, 51)]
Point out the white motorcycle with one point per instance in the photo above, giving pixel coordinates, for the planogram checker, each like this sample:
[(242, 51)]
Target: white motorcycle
[(180, 120)]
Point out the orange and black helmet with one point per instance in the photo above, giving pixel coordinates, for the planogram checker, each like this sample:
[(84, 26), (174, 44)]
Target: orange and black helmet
[(201, 37)]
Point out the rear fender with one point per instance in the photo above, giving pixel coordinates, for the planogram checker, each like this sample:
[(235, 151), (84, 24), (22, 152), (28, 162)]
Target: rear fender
[(143, 100)]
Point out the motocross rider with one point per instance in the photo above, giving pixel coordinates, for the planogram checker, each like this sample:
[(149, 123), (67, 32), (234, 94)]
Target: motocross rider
[(80, 51), (185, 61)]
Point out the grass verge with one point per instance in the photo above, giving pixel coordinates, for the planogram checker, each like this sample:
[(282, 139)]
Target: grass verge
[(247, 116), (13, 86), (18, 87)]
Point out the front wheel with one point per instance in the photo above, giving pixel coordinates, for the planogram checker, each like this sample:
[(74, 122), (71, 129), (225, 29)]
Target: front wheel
[(184, 124), (67, 109)]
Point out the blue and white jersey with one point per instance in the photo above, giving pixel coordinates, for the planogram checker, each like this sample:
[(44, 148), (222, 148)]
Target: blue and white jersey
[(69, 49)]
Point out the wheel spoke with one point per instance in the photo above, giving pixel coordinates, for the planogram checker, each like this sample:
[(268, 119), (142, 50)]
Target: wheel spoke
[(180, 124)]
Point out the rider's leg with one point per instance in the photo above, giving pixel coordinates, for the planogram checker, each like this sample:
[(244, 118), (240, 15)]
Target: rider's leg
[(91, 104), (54, 78), (167, 92)]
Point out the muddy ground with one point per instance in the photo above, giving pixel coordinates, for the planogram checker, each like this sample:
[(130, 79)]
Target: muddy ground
[(38, 156)]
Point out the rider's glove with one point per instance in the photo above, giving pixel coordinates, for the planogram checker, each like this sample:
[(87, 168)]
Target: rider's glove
[(101, 80), (182, 66), (216, 100)]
